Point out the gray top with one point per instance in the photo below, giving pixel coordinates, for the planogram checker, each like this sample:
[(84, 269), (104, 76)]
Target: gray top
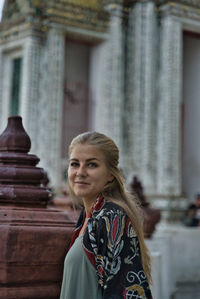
[(79, 276)]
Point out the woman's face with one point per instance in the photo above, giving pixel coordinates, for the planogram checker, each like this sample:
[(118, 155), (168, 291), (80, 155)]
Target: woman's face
[(87, 172)]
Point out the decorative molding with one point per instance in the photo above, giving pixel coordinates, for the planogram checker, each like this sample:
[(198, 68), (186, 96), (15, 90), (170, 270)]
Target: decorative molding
[(112, 2), (83, 14), (20, 31), (91, 4), (11, 9), (112, 5), (77, 16), (16, 9), (189, 3), (179, 10)]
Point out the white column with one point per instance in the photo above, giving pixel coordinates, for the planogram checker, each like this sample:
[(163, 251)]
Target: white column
[(148, 96), (169, 110), (169, 143), (5, 88), (29, 103), (109, 102), (140, 99), (51, 104), (42, 99), (1, 89)]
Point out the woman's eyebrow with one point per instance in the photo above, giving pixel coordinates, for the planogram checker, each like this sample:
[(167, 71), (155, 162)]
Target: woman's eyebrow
[(88, 160)]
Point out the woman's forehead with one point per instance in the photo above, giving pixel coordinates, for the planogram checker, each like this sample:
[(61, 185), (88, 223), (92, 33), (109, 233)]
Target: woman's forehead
[(86, 151)]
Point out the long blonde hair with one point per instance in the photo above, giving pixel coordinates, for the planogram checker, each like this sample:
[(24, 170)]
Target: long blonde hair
[(116, 190)]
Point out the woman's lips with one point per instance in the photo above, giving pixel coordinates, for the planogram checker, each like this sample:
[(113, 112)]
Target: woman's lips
[(81, 183)]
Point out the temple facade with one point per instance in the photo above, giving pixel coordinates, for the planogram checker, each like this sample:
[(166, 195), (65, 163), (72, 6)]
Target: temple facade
[(125, 68)]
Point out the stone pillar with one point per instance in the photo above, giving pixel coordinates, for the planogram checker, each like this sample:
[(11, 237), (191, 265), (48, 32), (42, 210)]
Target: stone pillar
[(29, 106), (169, 116), (1, 86), (33, 238), (5, 87), (109, 111), (51, 103), (140, 101)]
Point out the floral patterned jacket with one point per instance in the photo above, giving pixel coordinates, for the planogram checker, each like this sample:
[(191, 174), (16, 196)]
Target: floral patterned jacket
[(112, 247)]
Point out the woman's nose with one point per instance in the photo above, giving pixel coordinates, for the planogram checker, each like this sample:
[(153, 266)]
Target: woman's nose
[(81, 171)]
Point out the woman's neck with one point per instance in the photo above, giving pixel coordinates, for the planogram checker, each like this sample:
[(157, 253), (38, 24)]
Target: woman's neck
[(88, 206)]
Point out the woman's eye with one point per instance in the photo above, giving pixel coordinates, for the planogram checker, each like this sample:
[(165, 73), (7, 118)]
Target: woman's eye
[(74, 164), (92, 165)]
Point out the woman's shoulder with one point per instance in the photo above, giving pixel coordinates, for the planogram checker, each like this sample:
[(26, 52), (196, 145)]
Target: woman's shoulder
[(110, 205), (110, 209)]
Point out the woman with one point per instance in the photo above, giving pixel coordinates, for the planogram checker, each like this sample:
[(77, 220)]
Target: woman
[(107, 257)]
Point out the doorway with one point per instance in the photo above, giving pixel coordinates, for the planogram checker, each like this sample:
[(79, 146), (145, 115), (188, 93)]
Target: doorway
[(191, 114)]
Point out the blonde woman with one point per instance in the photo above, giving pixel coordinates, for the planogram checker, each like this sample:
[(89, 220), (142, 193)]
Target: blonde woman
[(107, 257)]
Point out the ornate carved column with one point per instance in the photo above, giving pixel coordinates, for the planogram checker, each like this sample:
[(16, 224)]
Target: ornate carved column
[(109, 111), (5, 87), (51, 103), (29, 107), (169, 115), (1, 86), (140, 102)]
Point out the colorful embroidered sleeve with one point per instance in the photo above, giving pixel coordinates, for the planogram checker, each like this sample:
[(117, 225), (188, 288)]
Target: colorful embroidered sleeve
[(117, 255)]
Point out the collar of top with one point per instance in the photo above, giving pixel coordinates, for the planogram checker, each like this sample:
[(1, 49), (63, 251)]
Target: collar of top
[(99, 203)]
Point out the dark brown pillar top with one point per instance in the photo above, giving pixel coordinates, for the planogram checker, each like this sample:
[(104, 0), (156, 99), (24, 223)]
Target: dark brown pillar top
[(20, 179)]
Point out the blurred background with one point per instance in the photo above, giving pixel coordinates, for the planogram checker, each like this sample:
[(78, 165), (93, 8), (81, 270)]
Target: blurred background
[(129, 69)]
